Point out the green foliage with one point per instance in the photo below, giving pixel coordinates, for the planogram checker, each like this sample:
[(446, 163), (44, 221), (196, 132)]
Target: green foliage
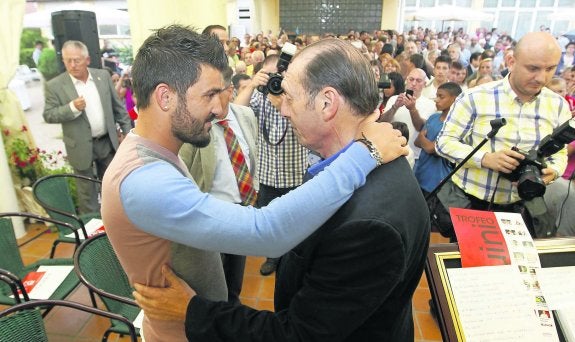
[(125, 55), (48, 64), (27, 44), (26, 57), (30, 36)]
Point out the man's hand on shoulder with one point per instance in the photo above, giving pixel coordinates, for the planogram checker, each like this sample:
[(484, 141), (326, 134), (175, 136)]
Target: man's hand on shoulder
[(388, 141), (503, 161)]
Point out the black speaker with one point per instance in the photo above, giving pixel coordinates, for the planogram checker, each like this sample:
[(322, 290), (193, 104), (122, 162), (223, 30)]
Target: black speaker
[(77, 25)]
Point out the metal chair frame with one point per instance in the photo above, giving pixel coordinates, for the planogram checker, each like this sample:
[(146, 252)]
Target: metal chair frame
[(50, 208), (93, 287), (12, 279), (14, 311)]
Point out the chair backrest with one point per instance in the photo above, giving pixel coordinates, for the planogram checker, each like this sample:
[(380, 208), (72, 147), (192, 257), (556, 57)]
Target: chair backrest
[(25, 325), (55, 195), (98, 267), (23, 322), (11, 259)]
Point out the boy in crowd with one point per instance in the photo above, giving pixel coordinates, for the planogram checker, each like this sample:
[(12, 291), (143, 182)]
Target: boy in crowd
[(430, 168)]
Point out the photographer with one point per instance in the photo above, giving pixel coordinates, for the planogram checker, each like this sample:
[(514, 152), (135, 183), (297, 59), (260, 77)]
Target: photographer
[(282, 160), (532, 112)]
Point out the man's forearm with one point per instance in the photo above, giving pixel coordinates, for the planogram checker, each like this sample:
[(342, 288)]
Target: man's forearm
[(243, 98), (388, 115), (416, 119)]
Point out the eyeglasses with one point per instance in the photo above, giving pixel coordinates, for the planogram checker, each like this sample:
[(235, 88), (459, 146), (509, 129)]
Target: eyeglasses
[(416, 80), (72, 60)]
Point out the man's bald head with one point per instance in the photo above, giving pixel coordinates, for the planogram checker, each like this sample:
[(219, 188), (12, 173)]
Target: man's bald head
[(541, 42)]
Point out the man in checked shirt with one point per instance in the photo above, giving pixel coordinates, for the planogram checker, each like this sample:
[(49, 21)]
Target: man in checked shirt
[(532, 112), (282, 160)]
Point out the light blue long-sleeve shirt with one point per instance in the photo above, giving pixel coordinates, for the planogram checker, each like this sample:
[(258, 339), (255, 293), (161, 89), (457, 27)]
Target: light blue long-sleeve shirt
[(162, 202)]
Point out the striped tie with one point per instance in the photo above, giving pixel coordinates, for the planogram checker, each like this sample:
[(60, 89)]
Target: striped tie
[(243, 176)]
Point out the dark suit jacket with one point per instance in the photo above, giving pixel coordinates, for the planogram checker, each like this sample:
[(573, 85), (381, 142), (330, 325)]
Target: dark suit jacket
[(352, 280), (60, 91)]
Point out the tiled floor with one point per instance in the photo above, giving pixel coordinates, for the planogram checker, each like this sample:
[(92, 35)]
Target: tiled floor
[(257, 292)]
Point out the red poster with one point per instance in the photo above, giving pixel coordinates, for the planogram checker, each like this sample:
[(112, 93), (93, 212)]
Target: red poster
[(480, 239), (31, 280), (97, 231)]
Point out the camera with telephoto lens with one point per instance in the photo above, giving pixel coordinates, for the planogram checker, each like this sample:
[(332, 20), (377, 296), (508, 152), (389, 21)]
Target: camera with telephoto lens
[(384, 82), (528, 173), (274, 84)]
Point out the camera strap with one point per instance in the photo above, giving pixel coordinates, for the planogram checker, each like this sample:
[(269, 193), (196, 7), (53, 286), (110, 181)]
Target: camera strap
[(494, 191), (264, 126)]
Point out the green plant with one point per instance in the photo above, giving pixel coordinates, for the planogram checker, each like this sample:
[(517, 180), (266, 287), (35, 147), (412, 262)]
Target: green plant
[(28, 163), (28, 41), (48, 64)]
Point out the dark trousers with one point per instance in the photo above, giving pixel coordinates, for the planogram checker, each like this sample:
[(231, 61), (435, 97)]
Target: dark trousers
[(517, 207), (103, 153), (234, 266)]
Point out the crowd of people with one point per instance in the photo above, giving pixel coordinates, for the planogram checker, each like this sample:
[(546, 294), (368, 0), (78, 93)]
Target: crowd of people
[(242, 171)]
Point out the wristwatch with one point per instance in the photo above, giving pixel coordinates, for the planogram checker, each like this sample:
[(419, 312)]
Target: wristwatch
[(372, 150)]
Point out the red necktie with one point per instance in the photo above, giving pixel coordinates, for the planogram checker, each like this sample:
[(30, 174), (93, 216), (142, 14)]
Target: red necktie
[(243, 176)]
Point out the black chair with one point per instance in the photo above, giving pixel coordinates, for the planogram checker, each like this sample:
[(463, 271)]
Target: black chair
[(24, 322), (55, 195), (98, 267)]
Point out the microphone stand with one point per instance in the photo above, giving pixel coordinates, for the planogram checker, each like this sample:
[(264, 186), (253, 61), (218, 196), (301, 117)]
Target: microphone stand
[(496, 124)]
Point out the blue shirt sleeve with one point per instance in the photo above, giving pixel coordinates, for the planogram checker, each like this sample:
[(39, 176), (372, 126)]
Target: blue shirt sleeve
[(160, 201)]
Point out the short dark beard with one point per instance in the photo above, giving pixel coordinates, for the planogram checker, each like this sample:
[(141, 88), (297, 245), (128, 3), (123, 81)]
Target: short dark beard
[(188, 129)]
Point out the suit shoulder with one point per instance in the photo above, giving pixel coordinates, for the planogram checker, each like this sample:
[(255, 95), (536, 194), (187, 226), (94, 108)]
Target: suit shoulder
[(58, 80), (243, 110)]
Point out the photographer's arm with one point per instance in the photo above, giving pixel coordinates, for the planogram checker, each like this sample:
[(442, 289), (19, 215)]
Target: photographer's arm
[(391, 108), (244, 96)]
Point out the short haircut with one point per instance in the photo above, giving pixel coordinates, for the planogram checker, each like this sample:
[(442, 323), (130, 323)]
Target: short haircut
[(417, 60), (227, 75), (237, 78), (336, 63), (456, 65), (443, 59), (210, 28), (402, 127), (387, 48), (78, 45), (474, 56), (451, 88), (174, 55)]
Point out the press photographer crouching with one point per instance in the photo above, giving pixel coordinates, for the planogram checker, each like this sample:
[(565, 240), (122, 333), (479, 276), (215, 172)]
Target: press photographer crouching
[(532, 112)]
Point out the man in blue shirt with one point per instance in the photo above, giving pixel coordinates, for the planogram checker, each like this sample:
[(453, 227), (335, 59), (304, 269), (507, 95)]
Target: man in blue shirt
[(153, 211), (353, 279)]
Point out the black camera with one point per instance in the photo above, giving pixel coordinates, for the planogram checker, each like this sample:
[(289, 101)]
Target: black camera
[(528, 173), (384, 82), (274, 85)]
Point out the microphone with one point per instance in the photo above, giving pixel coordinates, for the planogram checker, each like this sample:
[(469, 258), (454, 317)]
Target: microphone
[(496, 124)]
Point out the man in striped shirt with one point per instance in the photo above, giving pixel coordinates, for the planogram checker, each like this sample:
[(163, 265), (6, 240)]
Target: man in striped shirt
[(532, 112)]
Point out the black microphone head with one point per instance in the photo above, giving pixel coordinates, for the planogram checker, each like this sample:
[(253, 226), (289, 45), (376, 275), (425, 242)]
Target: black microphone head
[(497, 123)]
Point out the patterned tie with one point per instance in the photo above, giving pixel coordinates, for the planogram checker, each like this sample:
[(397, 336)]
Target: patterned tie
[(243, 176)]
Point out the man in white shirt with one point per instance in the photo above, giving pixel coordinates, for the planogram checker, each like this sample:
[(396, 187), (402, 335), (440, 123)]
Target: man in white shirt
[(85, 102), (412, 110)]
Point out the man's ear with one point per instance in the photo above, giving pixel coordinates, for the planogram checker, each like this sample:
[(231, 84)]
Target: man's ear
[(164, 97), (330, 101), (510, 61)]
